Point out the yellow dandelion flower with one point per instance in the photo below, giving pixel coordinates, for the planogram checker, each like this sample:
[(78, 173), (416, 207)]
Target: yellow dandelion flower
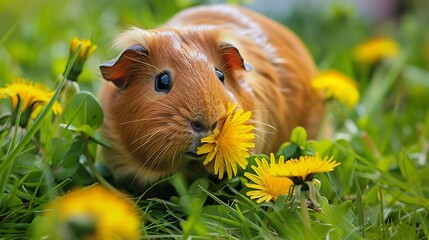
[(104, 214), (267, 186), (32, 95), (86, 50), (376, 49), (335, 84), (303, 169), (230, 145)]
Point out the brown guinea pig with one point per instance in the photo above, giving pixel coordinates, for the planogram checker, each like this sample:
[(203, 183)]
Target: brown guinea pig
[(170, 87)]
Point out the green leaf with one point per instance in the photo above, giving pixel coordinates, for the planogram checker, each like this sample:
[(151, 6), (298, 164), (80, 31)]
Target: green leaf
[(299, 136), (197, 186), (86, 129), (409, 170), (84, 109), (192, 199), (252, 161), (288, 150), (28, 162), (83, 176), (12, 200), (69, 166), (252, 158), (359, 205), (39, 228), (404, 197), (338, 216), (371, 197), (69, 163), (310, 148), (97, 138), (194, 222), (62, 146)]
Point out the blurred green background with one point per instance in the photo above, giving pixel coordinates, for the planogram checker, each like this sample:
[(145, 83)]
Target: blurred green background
[(35, 34)]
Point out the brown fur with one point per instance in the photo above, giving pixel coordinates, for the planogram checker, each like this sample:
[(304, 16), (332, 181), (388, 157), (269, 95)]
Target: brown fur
[(150, 131)]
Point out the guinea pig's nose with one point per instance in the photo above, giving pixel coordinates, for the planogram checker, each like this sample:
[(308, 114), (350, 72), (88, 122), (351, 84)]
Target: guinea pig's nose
[(198, 126)]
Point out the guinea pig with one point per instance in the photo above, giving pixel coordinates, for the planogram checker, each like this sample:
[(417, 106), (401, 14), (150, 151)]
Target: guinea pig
[(170, 87)]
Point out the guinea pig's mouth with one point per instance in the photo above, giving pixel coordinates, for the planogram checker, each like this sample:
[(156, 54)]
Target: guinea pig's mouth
[(194, 156)]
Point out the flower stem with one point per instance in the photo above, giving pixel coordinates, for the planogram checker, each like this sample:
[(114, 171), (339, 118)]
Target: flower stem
[(91, 165), (304, 210)]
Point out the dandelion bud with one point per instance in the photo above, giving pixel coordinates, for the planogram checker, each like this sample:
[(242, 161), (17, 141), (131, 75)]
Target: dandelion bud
[(86, 50)]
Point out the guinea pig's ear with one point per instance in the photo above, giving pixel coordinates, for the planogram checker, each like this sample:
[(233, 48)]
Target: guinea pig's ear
[(232, 57), (116, 70)]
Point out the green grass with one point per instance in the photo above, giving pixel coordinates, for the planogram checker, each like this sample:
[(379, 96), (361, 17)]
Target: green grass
[(380, 190)]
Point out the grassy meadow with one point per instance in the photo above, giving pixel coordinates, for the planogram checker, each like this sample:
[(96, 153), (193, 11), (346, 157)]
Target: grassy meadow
[(380, 137)]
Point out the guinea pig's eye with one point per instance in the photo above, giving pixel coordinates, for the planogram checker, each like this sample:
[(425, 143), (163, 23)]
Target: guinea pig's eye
[(220, 75), (163, 82)]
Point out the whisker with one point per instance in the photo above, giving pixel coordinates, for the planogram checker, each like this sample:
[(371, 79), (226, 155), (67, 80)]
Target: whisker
[(148, 140), (162, 154), (265, 124), (261, 138), (179, 152), (157, 151), (264, 131), (163, 104), (148, 160), (141, 120), (144, 63), (152, 133)]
